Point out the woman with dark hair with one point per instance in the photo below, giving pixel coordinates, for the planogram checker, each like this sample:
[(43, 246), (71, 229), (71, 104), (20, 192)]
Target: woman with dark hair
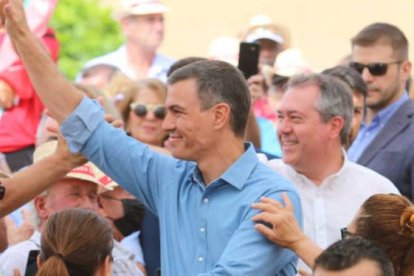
[(76, 242), (387, 219)]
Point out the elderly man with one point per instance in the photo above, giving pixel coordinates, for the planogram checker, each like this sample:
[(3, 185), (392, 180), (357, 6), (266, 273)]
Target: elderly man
[(384, 142), (142, 22), (315, 118), (77, 189), (208, 104)]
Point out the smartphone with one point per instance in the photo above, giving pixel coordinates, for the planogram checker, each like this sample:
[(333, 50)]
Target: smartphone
[(31, 266), (249, 59)]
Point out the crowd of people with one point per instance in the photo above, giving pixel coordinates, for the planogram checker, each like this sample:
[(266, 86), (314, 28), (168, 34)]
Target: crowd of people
[(147, 166)]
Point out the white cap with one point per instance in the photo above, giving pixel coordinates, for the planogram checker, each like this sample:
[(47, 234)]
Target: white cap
[(140, 7)]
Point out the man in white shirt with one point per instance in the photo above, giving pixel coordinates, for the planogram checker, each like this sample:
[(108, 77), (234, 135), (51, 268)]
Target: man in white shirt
[(142, 23), (315, 118)]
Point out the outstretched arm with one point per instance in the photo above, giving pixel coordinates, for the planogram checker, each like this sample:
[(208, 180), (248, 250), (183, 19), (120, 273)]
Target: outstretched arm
[(285, 230), (24, 185), (58, 94)]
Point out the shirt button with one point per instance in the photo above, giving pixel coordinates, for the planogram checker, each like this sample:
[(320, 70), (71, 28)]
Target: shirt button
[(202, 229), (200, 259), (206, 200)]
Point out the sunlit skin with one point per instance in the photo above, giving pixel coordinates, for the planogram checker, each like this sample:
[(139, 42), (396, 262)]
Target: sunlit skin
[(382, 90), (147, 129), (358, 101), (147, 31), (189, 127), (307, 141), (268, 51), (364, 267), (67, 193)]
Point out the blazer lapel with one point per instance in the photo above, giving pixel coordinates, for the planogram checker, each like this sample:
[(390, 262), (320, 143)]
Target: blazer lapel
[(398, 122)]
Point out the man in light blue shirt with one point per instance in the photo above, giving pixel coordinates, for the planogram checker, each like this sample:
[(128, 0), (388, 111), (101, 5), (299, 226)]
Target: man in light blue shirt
[(203, 198), (385, 141)]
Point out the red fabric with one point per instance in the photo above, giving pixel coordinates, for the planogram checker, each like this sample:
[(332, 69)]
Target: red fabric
[(18, 125)]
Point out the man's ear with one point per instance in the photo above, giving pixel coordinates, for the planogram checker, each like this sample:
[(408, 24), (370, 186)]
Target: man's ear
[(337, 124), (222, 115), (406, 70), (40, 206)]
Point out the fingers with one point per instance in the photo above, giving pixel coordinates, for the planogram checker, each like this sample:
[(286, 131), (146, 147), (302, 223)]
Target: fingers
[(27, 216), (10, 224), (265, 231), (114, 122), (288, 203)]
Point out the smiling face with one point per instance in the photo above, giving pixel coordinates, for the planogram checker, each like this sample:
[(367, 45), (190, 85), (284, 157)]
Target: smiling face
[(67, 193), (302, 133), (147, 128), (386, 89), (190, 128)]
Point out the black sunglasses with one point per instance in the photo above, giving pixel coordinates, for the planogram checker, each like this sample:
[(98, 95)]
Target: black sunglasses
[(142, 109), (375, 69)]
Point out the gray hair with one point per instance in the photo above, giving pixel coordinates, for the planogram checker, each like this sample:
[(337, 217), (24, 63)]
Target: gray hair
[(335, 98)]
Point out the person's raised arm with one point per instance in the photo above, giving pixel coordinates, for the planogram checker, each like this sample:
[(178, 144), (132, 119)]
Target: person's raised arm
[(31, 181), (57, 93), (283, 229)]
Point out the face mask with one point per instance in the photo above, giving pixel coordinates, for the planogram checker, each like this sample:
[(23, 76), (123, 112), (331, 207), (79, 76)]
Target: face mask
[(131, 222)]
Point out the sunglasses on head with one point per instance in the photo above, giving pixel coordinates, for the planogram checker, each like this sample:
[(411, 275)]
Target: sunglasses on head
[(142, 109), (375, 69)]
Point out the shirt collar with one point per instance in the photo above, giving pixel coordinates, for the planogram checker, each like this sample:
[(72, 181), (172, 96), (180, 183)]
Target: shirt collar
[(303, 180), (238, 173), (385, 114)]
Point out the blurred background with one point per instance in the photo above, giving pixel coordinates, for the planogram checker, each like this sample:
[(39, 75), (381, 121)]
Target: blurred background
[(320, 28)]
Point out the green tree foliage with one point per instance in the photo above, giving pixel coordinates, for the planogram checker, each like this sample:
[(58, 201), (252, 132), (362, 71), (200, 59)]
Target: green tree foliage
[(85, 29)]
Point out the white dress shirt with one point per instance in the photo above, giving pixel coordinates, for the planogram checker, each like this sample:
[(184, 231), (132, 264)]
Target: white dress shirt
[(332, 205)]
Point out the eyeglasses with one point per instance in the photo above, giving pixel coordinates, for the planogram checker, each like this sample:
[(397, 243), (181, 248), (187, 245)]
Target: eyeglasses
[(345, 234), (142, 109), (375, 69)]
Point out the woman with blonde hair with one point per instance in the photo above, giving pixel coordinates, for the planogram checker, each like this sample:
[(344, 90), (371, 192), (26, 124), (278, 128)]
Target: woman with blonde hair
[(143, 111), (76, 242)]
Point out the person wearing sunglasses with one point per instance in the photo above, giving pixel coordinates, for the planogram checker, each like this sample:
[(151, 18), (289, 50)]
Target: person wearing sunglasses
[(384, 141), (143, 111), (386, 219)]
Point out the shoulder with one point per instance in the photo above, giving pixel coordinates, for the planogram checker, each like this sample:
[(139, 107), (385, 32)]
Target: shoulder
[(111, 58), (369, 178)]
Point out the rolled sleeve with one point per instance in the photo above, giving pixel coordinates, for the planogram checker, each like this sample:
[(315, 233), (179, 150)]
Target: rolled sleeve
[(78, 127)]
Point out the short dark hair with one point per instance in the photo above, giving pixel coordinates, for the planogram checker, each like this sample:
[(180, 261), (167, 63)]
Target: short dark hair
[(347, 253), (335, 98), (183, 62), (219, 82), (383, 33)]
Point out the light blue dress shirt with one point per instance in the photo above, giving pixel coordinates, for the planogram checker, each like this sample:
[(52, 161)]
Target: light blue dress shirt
[(367, 133), (205, 230)]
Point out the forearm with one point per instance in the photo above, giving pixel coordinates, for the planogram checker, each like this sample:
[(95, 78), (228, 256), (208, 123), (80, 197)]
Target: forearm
[(27, 183), (307, 251), (55, 91)]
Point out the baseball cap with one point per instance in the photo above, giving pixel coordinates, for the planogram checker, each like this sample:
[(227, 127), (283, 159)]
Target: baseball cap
[(264, 32), (139, 7), (87, 172)]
